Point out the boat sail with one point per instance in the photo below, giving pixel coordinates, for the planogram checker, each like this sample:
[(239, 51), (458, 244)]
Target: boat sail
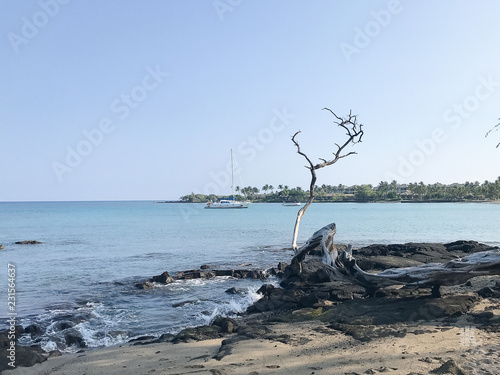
[(228, 202)]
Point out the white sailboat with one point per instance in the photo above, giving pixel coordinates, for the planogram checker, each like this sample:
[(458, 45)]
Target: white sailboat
[(291, 203), (228, 202)]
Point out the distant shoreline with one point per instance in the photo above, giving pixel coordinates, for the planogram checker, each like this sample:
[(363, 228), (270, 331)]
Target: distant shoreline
[(359, 201)]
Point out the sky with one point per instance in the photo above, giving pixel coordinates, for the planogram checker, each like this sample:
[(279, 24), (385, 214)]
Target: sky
[(136, 100)]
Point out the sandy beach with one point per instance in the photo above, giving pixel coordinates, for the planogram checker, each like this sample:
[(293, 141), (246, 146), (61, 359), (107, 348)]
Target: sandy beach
[(326, 353), (312, 348)]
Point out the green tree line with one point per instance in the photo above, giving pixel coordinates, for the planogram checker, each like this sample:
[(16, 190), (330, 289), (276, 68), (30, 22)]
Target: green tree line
[(384, 191)]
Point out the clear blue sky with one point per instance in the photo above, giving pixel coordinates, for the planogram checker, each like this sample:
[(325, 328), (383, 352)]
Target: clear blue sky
[(112, 100)]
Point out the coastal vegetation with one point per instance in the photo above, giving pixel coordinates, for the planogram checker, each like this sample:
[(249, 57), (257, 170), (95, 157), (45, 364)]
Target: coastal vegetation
[(383, 192)]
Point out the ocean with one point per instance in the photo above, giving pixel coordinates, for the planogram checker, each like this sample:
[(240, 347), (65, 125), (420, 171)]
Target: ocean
[(81, 277)]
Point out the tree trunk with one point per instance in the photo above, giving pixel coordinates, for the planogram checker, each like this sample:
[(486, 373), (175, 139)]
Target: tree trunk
[(343, 266)]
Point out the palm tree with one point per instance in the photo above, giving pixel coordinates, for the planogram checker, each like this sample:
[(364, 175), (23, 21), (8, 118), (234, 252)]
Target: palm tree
[(412, 187), (383, 189), (394, 186), (265, 188), (248, 191), (422, 189), (271, 187)]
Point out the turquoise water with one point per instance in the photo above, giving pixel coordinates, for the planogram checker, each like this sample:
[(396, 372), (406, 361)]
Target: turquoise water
[(94, 252)]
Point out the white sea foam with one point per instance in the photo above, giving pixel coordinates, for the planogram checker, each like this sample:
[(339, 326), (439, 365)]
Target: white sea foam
[(232, 307), (48, 345), (95, 338), (108, 324), (97, 324)]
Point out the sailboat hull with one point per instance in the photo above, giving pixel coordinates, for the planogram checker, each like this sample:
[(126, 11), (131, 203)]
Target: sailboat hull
[(227, 205)]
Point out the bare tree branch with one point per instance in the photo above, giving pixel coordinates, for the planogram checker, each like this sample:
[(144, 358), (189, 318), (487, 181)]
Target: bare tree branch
[(300, 152), (354, 133), (495, 128)]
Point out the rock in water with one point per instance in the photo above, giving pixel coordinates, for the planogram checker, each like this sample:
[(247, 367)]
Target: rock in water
[(26, 356), (64, 324), (164, 278), (144, 285), (28, 242), (73, 337), (234, 290), (33, 330), (180, 304), (202, 273)]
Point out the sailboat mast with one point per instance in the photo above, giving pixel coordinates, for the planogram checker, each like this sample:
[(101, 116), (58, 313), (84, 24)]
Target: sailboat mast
[(232, 171)]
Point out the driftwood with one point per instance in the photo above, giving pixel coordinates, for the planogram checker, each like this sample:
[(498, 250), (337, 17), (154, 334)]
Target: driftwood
[(343, 266)]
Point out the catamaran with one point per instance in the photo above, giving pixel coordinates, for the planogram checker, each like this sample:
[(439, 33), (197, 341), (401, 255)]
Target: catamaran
[(228, 202), (291, 203)]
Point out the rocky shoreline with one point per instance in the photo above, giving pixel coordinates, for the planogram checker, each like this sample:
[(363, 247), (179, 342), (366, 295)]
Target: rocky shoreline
[(331, 308)]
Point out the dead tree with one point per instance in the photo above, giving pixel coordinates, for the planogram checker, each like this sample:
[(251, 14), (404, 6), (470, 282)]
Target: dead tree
[(495, 128), (354, 133), (343, 266)]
